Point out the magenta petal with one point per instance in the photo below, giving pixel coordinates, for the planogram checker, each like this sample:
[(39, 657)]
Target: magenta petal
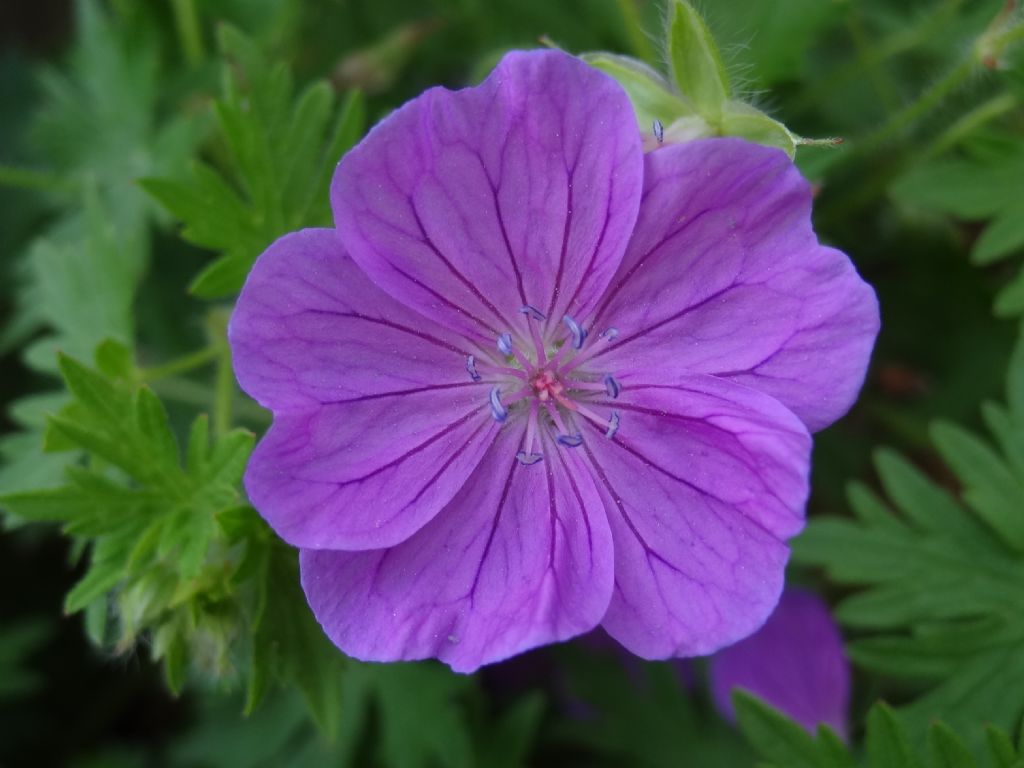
[(468, 205), (521, 557), (376, 423), (704, 482), (795, 662), (724, 275)]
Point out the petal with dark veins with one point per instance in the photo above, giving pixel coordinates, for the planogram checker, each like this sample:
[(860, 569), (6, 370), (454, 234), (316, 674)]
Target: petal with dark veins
[(724, 275), (523, 190), (704, 482), (376, 423), (520, 558)]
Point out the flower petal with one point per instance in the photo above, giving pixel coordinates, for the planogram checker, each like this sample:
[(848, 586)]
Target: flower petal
[(795, 662), (310, 328), (521, 557), (377, 424), (468, 205), (724, 275), (704, 481)]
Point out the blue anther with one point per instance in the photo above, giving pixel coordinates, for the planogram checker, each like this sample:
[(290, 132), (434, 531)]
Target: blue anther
[(659, 131), (505, 343), (613, 425), (609, 333), (536, 314), (471, 367), (578, 334), (611, 386), (571, 441), (498, 411), (529, 458)]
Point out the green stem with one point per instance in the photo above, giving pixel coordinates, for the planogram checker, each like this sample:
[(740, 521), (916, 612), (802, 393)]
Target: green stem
[(923, 104), (28, 178), (182, 364), (189, 33), (990, 44), (639, 41), (875, 56), (224, 393), (968, 123), (998, 43), (193, 393)]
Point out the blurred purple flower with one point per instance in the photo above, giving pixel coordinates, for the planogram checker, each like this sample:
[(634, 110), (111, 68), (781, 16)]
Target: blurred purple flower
[(535, 381), (795, 662)]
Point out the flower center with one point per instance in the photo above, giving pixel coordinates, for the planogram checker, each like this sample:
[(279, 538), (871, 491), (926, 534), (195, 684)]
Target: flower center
[(547, 385), (551, 377)]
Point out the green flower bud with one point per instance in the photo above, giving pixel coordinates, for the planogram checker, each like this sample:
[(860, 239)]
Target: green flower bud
[(694, 60)]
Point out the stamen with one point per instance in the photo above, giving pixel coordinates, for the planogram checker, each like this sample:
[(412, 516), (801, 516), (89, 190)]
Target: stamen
[(581, 385), (529, 459), (498, 411), (506, 348), (564, 436), (471, 367), (612, 422), (498, 370), (607, 336), (579, 335), (587, 413), (611, 386), (531, 427), (659, 131), (613, 425), (538, 343)]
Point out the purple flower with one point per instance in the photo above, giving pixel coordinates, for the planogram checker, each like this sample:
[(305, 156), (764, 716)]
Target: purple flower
[(795, 662), (535, 381)]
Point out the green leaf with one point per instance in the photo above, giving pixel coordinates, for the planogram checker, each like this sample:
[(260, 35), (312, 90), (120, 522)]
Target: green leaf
[(642, 716), (280, 149), (940, 585), (947, 750), (288, 644), (106, 569), (694, 60), (421, 720), (929, 507), (887, 745), (1002, 237), (86, 286), (1000, 748), (991, 488), (971, 189), (151, 419), (150, 523), (115, 360), (773, 735), (507, 744), (1010, 301)]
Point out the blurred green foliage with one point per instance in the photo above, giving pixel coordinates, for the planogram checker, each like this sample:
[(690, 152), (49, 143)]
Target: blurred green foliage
[(783, 744), (143, 169)]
